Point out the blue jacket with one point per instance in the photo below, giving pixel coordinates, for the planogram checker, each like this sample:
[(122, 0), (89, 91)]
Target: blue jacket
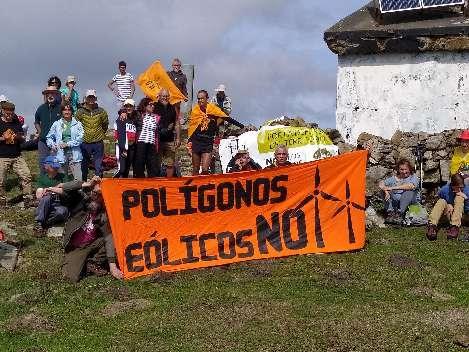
[(54, 138), (448, 195)]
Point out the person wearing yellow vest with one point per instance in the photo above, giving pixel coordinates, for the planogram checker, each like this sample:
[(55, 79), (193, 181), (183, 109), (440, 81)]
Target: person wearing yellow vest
[(460, 159), (203, 125)]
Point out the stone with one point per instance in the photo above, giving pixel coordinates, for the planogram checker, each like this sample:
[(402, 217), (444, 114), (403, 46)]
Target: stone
[(442, 153), (430, 165), (462, 340), (373, 219), (432, 176), (8, 256), (406, 153), (55, 231), (435, 142), (373, 175), (428, 155), (444, 170)]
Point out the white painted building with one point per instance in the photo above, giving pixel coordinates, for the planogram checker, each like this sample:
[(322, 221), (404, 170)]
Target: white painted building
[(407, 75)]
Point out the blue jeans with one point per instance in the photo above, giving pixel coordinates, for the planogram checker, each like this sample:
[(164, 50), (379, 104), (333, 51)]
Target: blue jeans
[(50, 211), (401, 203), (93, 151)]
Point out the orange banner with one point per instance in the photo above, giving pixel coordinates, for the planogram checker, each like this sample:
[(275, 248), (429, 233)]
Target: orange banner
[(201, 221), (154, 78)]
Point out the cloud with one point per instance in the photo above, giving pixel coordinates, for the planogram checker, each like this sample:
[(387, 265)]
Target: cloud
[(269, 53)]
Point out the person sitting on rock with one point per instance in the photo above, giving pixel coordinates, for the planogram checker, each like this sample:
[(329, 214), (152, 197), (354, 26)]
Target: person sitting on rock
[(400, 191), (454, 202), (460, 159), (280, 157), (87, 236), (50, 209), (242, 162)]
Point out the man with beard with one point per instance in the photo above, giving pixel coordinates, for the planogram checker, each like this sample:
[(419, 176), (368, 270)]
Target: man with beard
[(87, 237), (46, 115), (170, 131)]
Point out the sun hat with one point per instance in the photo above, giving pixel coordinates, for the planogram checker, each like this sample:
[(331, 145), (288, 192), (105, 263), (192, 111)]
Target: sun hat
[(52, 162), (50, 89), (71, 79), (220, 88), (241, 152), (3, 98), (464, 136)]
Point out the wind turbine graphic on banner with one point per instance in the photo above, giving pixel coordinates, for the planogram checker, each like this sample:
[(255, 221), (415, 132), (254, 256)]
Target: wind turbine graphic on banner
[(317, 192)]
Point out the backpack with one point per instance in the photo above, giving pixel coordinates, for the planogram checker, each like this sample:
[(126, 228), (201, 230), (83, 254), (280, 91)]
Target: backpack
[(416, 215)]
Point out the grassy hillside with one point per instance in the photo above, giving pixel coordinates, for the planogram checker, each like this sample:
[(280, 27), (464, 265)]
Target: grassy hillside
[(401, 293)]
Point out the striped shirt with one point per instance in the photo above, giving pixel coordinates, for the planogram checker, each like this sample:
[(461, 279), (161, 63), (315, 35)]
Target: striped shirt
[(124, 85), (149, 131)]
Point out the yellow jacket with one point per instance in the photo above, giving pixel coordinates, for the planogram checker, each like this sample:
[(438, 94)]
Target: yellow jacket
[(459, 162), (198, 117)]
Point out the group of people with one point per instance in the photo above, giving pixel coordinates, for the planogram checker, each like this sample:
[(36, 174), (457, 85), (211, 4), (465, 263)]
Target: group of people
[(69, 140), (402, 190)]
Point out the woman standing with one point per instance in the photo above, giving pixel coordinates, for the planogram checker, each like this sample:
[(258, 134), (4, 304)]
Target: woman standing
[(125, 129), (147, 140), (64, 138)]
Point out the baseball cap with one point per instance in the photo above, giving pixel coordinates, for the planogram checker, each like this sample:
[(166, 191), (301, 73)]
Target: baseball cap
[(91, 92), (52, 162)]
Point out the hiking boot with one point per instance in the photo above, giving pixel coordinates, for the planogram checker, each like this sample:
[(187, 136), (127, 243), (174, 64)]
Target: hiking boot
[(39, 231), (95, 269), (453, 232), (394, 218), (432, 231)]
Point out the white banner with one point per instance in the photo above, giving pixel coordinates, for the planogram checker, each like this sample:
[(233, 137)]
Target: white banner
[(304, 144)]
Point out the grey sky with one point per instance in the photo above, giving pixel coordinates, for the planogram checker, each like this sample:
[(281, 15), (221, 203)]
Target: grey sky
[(269, 53)]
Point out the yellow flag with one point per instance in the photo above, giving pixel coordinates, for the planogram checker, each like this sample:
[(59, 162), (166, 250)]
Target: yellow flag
[(154, 79)]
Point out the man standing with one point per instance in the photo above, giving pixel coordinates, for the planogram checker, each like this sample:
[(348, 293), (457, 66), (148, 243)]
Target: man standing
[(125, 84), (180, 80), (170, 131), (46, 115), (69, 94), (95, 124), (11, 137), (280, 157), (222, 100)]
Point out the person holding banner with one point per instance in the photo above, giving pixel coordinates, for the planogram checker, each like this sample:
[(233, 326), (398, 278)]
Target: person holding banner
[(87, 237), (147, 140), (280, 157), (203, 126)]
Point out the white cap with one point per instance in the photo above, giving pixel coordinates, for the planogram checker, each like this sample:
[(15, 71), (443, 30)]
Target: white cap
[(128, 102), (91, 92), (220, 88), (3, 98)]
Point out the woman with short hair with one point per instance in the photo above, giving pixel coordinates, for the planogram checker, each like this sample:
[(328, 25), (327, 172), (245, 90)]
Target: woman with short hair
[(64, 138)]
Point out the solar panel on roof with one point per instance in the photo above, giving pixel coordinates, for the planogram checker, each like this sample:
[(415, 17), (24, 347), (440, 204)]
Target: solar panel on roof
[(403, 5), (434, 3), (399, 5)]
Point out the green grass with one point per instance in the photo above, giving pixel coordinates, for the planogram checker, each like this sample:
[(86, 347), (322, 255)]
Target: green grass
[(401, 293)]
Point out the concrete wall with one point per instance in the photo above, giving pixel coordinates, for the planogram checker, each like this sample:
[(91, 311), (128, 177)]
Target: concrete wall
[(380, 94)]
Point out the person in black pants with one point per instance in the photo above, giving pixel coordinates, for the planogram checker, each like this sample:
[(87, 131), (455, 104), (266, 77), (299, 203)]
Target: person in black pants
[(147, 141), (126, 132)]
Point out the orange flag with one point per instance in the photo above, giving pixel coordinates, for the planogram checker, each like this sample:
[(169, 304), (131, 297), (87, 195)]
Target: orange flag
[(154, 79), (198, 117)]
